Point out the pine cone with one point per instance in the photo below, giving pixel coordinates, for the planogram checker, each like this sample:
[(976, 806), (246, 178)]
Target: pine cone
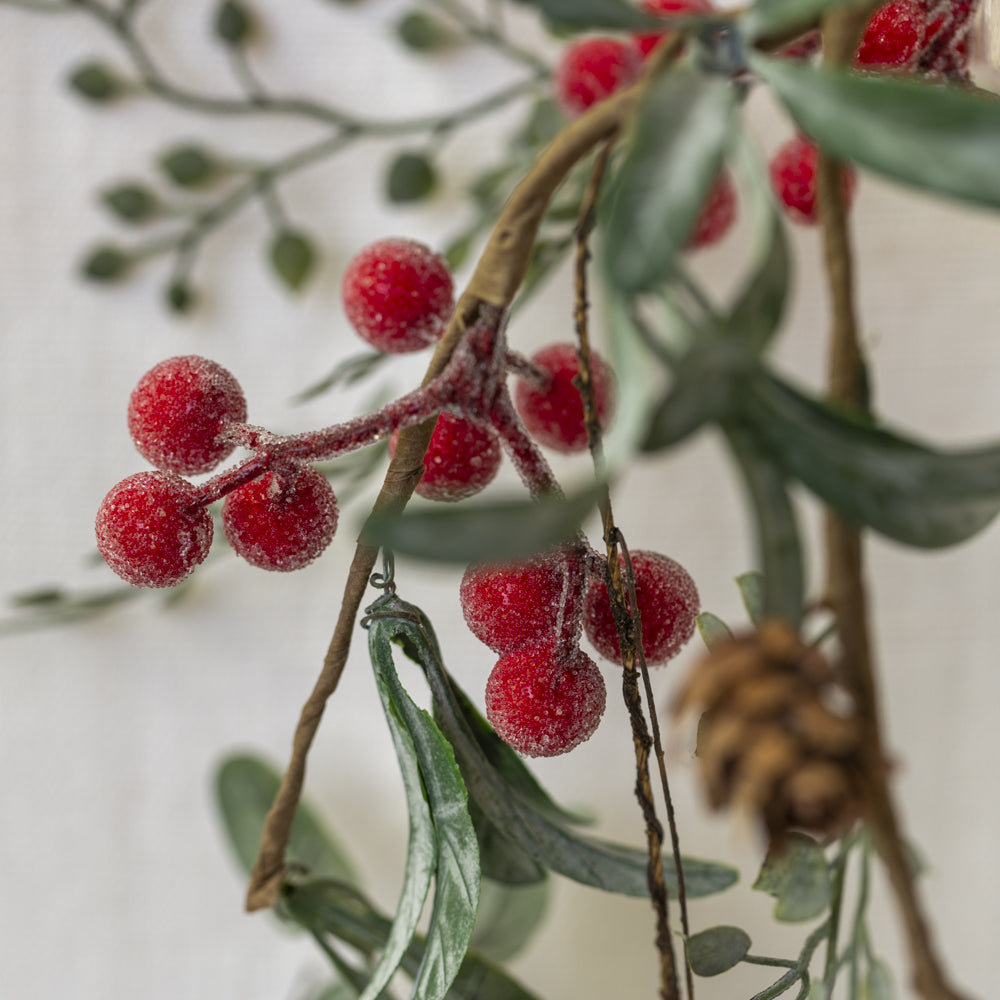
[(769, 741)]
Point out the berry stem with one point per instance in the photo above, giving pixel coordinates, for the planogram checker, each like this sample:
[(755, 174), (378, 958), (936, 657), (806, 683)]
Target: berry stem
[(845, 552)]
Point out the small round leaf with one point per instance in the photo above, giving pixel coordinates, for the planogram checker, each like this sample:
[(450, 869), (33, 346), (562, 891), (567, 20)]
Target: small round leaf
[(717, 950), (423, 32), (131, 202), (292, 258), (180, 298), (95, 82), (188, 166), (233, 23), (411, 178), (105, 263)]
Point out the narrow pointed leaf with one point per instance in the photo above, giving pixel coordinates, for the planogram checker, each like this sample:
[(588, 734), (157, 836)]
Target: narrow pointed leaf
[(752, 589), (605, 14), (903, 489), (772, 17), (940, 139), (683, 129), (508, 917), (712, 629)]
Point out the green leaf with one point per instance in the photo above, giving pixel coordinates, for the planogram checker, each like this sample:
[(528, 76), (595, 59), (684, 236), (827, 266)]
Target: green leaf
[(712, 629), (96, 82), (706, 387), (180, 297), (902, 489), (717, 950), (292, 258), (233, 23), (798, 877), (779, 548), (330, 908), (543, 124), (188, 165), (785, 17), (604, 14), (245, 787), (423, 32), (38, 597), (131, 202), (682, 131), (456, 862), (411, 177), (106, 263), (877, 984), (335, 991), (478, 532), (602, 864), (500, 858), (941, 139), (348, 372), (753, 588), (508, 917)]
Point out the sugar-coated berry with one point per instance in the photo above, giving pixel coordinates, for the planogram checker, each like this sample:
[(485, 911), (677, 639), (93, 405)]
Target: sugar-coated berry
[(508, 605), (543, 703), (179, 410), (717, 214), (668, 604), (946, 44), (794, 179), (893, 36), (151, 531), (462, 458), (553, 412), (645, 42), (591, 70), (398, 295), (281, 521)]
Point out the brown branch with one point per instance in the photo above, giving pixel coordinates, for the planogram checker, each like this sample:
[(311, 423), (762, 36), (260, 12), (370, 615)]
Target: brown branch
[(497, 277), (845, 554)]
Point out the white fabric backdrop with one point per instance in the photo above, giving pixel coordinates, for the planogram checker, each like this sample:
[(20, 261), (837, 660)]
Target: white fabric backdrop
[(115, 879)]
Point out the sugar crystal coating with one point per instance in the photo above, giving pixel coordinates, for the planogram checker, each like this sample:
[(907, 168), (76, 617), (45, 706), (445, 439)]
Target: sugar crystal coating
[(668, 604), (794, 171), (553, 413), (717, 214), (150, 531), (591, 70), (645, 42), (507, 605), (282, 521), (946, 47), (398, 295), (893, 36), (179, 410), (462, 458), (543, 704)]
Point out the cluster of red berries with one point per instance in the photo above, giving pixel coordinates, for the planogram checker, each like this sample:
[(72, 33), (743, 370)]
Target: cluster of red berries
[(923, 36), (153, 528), (545, 695)]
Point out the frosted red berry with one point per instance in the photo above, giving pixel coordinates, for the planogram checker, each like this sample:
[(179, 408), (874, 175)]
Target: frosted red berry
[(794, 177), (553, 412), (893, 36), (281, 521), (151, 531), (645, 42), (178, 413), (717, 214), (462, 458), (543, 703), (508, 605), (591, 70), (398, 295), (945, 51), (668, 604)]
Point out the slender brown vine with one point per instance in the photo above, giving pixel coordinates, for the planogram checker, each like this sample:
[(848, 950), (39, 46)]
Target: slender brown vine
[(845, 551)]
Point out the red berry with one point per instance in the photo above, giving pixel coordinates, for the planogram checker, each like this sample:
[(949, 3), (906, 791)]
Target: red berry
[(717, 214), (946, 44), (398, 295), (553, 413), (179, 410), (591, 70), (281, 521), (794, 170), (151, 531), (461, 459), (668, 604), (647, 41), (509, 605), (803, 47), (543, 704), (893, 36)]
